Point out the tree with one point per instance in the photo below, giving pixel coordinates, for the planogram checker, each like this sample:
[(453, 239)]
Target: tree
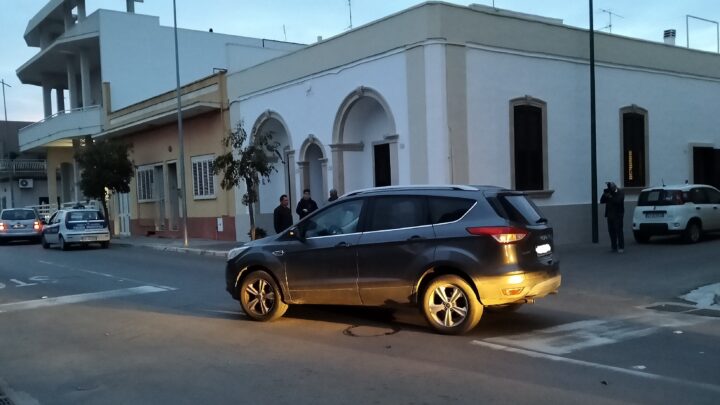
[(248, 164), (106, 168)]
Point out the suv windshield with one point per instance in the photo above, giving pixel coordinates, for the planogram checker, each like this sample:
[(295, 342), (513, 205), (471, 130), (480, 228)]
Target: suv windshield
[(18, 215), (661, 197)]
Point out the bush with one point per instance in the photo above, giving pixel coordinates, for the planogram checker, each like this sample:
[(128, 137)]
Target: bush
[(259, 233)]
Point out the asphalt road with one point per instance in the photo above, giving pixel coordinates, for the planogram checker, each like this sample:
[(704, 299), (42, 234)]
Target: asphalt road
[(130, 325)]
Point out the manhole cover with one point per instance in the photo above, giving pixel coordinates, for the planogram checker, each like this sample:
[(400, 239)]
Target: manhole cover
[(369, 331)]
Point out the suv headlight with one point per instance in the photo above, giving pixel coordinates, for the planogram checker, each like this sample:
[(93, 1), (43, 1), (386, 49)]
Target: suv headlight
[(233, 253)]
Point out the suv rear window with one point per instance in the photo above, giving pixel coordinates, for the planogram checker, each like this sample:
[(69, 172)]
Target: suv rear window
[(517, 208), (18, 215), (83, 216), (444, 209), (661, 197)]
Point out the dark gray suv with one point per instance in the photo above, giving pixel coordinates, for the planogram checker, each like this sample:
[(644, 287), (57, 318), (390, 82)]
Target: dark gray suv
[(451, 250)]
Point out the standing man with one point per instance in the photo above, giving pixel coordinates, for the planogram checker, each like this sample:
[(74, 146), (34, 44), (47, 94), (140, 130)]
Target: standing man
[(282, 216), (614, 200), (333, 195), (306, 205)]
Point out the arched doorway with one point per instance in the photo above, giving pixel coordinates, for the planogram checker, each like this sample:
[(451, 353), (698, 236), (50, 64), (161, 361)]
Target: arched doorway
[(313, 165), (281, 182), (365, 143)]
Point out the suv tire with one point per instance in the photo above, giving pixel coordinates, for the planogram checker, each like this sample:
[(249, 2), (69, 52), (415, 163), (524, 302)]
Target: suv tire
[(450, 305), (641, 237), (693, 231), (260, 297)]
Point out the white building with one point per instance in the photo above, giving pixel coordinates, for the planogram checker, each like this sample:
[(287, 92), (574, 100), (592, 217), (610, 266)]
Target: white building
[(109, 60), (442, 93)]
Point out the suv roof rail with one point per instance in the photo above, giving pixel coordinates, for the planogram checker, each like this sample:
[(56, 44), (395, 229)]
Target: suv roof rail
[(460, 187)]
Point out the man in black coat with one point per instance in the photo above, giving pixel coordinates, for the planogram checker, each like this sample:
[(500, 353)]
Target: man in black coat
[(306, 205), (282, 216), (614, 200)]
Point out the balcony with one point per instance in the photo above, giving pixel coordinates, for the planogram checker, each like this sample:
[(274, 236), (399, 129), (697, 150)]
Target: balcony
[(32, 168), (58, 129)]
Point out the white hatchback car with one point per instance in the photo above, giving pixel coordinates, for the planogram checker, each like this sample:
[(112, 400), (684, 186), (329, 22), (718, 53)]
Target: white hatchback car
[(687, 210), (76, 226)]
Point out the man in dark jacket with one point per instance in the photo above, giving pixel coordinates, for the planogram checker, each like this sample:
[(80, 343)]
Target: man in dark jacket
[(306, 205), (282, 216), (333, 195), (614, 200)]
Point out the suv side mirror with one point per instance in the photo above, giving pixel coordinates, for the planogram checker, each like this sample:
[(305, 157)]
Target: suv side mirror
[(296, 233)]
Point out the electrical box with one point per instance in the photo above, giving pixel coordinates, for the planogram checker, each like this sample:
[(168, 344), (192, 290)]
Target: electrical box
[(219, 224)]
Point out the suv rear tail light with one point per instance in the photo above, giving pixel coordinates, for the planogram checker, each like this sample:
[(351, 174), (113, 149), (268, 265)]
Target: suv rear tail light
[(2, 226), (502, 234)]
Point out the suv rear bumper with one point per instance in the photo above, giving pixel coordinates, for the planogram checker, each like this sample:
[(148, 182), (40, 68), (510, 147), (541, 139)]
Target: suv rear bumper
[(498, 291)]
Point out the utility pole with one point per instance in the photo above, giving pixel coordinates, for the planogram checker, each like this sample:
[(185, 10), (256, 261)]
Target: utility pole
[(181, 148), (6, 155), (593, 146)]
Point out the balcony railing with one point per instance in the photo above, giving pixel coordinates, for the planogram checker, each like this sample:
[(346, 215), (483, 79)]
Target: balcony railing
[(61, 125), (23, 166)]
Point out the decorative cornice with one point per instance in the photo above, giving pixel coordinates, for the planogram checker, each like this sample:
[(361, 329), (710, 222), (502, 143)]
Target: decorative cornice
[(347, 147)]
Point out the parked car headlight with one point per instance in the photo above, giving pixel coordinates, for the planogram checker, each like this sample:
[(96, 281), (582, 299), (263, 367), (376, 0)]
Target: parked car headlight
[(233, 253)]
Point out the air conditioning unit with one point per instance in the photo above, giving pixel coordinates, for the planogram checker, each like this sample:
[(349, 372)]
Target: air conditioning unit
[(25, 183)]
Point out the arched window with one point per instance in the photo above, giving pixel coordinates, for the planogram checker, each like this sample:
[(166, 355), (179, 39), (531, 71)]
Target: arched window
[(528, 138), (634, 133)]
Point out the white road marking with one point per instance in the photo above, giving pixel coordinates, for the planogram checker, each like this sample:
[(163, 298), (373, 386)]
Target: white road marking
[(74, 299), (97, 273), (570, 337), (641, 374)]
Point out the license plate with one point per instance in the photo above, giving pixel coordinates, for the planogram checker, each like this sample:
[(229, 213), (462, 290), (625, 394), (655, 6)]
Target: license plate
[(543, 249), (18, 226), (88, 238), (654, 214)]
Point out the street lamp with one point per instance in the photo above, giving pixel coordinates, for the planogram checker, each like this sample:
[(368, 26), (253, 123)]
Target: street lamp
[(181, 149)]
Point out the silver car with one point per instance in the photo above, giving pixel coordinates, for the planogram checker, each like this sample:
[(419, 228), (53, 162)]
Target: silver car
[(20, 223), (76, 227)]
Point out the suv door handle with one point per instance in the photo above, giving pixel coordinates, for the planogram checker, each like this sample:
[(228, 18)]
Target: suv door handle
[(415, 237), (278, 253), (343, 244)]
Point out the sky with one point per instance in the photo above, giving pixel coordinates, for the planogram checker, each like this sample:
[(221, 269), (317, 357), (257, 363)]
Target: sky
[(302, 21)]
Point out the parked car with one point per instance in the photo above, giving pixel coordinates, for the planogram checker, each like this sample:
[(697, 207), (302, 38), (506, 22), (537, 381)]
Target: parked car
[(20, 224), (688, 210), (76, 227), (451, 250)]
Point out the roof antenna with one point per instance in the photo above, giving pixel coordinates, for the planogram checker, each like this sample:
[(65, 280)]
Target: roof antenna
[(350, 10), (610, 16), (662, 181)]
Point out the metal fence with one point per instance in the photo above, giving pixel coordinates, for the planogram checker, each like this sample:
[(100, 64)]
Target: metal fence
[(23, 165)]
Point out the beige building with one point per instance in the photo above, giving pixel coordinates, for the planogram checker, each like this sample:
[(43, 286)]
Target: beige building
[(153, 206)]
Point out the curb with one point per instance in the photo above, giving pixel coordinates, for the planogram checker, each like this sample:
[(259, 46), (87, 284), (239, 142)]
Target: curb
[(164, 248)]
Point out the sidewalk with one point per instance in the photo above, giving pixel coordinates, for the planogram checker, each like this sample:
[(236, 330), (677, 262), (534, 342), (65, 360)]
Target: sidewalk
[(195, 246)]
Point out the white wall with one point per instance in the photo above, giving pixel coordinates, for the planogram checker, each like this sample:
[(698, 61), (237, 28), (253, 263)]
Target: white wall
[(138, 55), (310, 106), (680, 111)]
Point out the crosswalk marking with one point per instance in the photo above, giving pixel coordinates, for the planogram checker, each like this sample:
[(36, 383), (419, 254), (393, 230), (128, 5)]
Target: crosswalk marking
[(571, 337), (77, 298), (552, 357)]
